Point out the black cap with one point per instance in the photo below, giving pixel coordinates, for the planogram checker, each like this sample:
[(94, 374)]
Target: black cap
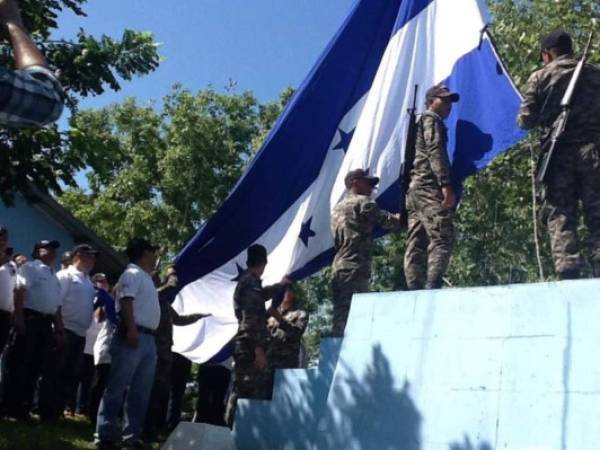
[(137, 247), (360, 174), (441, 91), (257, 254), (559, 39), (67, 258), (84, 249), (45, 244)]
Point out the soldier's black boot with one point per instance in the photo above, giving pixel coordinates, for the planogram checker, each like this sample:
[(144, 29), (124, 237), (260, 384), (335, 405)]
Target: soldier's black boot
[(572, 274), (596, 269)]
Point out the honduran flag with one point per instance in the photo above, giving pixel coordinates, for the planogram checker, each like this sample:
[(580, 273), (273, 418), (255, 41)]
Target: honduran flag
[(350, 112)]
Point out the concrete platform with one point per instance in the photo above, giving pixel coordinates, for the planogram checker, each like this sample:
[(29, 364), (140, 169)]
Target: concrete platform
[(199, 436), (511, 367)]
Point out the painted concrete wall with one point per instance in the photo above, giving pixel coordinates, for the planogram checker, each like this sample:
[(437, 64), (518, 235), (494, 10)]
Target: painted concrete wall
[(512, 368), (27, 225)]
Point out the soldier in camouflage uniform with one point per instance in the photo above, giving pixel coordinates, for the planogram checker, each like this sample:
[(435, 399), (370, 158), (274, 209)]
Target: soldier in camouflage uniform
[(352, 224), (251, 374), (430, 199), (574, 173), (286, 334), (157, 408)]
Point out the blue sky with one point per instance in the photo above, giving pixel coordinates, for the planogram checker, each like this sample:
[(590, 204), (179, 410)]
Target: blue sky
[(263, 45)]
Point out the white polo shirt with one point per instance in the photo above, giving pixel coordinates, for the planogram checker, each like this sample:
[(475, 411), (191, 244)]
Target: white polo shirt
[(42, 290), (8, 280), (138, 284), (77, 296)]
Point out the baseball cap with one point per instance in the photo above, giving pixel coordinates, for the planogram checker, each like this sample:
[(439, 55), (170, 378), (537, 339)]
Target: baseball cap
[(359, 174), (137, 247), (84, 249), (98, 277), (557, 39), (45, 244), (441, 91)]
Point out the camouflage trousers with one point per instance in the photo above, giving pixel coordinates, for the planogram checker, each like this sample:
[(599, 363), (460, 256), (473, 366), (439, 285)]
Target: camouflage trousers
[(430, 239), (248, 381), (343, 285), (573, 176)]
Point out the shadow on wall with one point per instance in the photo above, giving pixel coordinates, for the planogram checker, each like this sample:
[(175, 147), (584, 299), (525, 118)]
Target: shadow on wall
[(370, 413)]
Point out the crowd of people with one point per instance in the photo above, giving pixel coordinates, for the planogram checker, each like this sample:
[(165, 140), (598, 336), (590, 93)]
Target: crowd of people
[(73, 344)]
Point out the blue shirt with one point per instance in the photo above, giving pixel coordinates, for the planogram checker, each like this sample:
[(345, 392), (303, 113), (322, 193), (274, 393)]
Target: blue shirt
[(105, 300)]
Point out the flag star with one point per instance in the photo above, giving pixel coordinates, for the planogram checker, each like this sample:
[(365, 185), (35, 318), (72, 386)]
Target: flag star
[(345, 139), (240, 271), (306, 233)]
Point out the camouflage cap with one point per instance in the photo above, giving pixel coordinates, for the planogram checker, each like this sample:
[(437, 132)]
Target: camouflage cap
[(441, 91), (359, 174)]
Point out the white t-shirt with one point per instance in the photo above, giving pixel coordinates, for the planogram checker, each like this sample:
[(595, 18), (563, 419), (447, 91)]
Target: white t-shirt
[(90, 337), (77, 295), (102, 344), (8, 279), (42, 290), (138, 284)]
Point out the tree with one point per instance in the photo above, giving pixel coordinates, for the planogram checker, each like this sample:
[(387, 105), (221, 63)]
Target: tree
[(86, 66), (161, 172)]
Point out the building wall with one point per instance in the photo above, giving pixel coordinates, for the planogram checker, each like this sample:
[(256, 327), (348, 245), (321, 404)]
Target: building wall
[(27, 225)]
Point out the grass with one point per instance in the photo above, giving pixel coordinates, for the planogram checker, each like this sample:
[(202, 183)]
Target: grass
[(71, 433)]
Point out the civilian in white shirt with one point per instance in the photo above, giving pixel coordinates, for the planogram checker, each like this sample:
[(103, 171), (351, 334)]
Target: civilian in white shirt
[(77, 297), (133, 351), (8, 278), (39, 332)]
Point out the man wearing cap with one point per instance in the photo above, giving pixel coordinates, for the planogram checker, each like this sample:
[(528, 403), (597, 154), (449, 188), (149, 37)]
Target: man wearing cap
[(352, 224), (8, 278), (574, 173), (38, 333), (133, 350), (77, 297), (430, 199), (251, 375)]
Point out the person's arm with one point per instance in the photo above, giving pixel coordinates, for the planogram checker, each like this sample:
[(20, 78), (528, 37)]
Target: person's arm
[(182, 321), (529, 112), (268, 292), (25, 51), (377, 216), (18, 315), (32, 94), (435, 143), (128, 318)]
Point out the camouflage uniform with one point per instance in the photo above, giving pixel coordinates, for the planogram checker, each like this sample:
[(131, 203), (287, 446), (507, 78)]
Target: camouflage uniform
[(352, 224), (157, 408), (249, 305), (286, 339), (574, 173), (430, 226)]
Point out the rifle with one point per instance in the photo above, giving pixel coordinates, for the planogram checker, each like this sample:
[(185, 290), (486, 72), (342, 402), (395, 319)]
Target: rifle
[(560, 124), (409, 157)]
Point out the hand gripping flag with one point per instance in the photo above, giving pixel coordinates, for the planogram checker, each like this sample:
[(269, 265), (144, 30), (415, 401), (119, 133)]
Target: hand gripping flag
[(350, 112)]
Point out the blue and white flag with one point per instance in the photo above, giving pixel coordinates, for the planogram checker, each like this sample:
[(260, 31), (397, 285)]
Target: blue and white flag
[(350, 112)]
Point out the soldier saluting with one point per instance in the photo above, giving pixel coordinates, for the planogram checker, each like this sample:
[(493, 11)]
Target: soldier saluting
[(574, 172)]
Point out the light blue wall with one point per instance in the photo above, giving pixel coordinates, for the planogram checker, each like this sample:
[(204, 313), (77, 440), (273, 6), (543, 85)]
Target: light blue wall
[(27, 225)]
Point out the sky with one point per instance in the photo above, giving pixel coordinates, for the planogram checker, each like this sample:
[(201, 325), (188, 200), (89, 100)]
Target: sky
[(262, 45)]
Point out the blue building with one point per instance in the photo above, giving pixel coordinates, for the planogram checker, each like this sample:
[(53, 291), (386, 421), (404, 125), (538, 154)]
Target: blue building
[(41, 217)]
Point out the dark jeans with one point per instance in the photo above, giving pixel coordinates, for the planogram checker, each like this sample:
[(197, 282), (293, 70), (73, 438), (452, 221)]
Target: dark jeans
[(85, 383), (69, 363), (213, 382), (101, 372), (159, 400), (30, 356), (5, 324), (179, 377)]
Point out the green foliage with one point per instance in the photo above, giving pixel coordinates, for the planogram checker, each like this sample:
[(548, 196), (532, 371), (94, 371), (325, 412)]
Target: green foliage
[(160, 173), (86, 66)]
